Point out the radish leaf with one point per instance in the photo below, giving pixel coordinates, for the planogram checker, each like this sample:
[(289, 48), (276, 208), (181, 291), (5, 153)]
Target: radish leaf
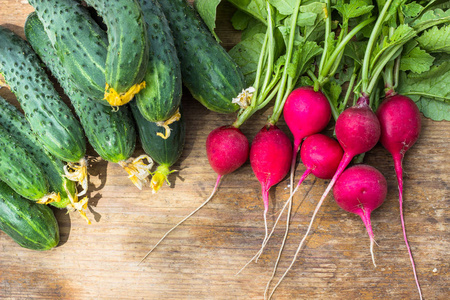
[(436, 39), (430, 90), (207, 10), (417, 60)]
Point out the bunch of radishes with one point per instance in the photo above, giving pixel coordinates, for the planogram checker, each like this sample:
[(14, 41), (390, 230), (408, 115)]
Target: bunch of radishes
[(307, 110)]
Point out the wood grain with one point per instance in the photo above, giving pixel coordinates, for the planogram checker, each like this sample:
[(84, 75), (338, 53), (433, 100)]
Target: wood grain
[(199, 260)]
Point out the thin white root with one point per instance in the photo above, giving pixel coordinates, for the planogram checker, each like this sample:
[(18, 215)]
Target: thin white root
[(182, 221), (304, 238), (260, 251), (288, 220), (371, 252)]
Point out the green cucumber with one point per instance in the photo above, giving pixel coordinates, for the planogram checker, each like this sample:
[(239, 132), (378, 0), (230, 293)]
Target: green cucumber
[(79, 42), (111, 133), (29, 224), (50, 118), (19, 169), (14, 122), (208, 71), (128, 49), (162, 96), (165, 152)]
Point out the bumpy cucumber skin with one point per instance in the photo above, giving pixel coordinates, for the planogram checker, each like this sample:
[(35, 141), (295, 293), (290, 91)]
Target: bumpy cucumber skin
[(111, 133), (162, 96), (128, 49), (209, 73), (50, 118), (29, 224), (79, 42), (19, 169), (16, 125), (163, 151)]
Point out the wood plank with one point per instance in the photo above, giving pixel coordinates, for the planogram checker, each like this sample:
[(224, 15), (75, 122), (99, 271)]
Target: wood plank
[(199, 260)]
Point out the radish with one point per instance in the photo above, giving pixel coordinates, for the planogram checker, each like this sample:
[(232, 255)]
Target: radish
[(227, 149), (360, 190), (357, 130), (400, 127), (270, 156), (321, 156), (306, 112)]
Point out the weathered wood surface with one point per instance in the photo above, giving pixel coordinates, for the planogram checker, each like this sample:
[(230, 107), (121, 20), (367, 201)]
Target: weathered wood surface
[(200, 259)]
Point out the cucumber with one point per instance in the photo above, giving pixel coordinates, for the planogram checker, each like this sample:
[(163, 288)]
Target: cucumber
[(165, 152), (19, 169), (162, 96), (50, 118), (14, 122), (29, 224), (128, 49), (80, 43), (208, 71), (111, 133)]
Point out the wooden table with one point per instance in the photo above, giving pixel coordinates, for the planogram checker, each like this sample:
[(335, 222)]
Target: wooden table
[(199, 260)]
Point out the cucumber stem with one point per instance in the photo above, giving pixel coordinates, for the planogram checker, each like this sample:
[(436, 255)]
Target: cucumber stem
[(159, 177)]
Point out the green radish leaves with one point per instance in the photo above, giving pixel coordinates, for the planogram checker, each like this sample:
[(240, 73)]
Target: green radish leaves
[(436, 39), (207, 10), (246, 55), (430, 90), (353, 9), (416, 60)]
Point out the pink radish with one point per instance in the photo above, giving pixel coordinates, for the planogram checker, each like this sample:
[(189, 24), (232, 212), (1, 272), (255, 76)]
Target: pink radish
[(306, 112), (227, 149), (357, 130), (321, 156), (360, 190), (270, 156), (400, 127)]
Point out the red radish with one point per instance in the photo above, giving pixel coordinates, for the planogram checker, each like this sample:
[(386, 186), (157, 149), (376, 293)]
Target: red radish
[(357, 130), (270, 156), (360, 190), (400, 127), (227, 149), (306, 112), (321, 155)]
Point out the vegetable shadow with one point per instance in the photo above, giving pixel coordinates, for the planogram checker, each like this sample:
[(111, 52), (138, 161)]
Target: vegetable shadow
[(97, 168), (63, 218)]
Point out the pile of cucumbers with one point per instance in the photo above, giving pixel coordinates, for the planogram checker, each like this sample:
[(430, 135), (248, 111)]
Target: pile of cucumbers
[(122, 64)]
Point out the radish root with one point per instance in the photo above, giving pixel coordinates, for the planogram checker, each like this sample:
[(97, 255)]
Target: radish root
[(185, 218)]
